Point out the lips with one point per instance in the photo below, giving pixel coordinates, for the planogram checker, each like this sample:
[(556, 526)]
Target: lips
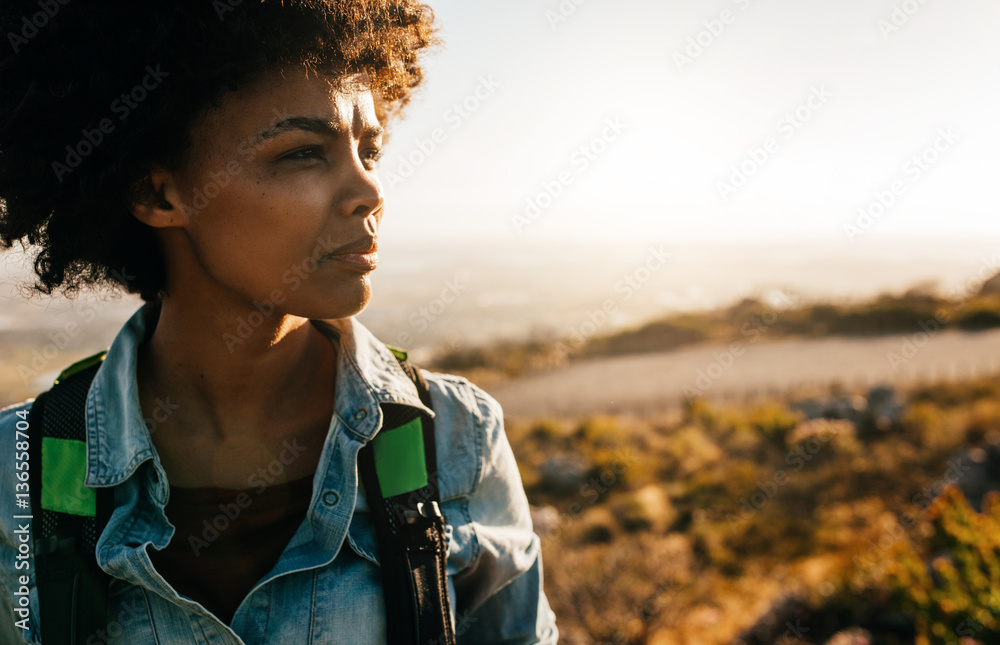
[(361, 254)]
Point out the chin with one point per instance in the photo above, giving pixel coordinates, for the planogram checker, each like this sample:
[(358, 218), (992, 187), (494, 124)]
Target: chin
[(338, 303)]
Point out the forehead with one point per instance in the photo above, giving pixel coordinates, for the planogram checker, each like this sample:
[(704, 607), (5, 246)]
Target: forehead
[(251, 113)]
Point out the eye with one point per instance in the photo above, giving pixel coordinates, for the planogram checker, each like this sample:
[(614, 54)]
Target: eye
[(371, 157), (312, 152)]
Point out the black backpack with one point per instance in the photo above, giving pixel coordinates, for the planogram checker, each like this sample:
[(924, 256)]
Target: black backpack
[(398, 470)]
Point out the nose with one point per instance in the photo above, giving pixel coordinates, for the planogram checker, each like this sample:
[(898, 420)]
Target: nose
[(364, 196)]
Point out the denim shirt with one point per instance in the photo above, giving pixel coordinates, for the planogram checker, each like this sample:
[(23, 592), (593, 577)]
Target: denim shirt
[(326, 586)]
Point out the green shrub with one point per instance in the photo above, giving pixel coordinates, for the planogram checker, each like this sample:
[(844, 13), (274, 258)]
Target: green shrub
[(546, 432), (702, 412), (647, 509), (959, 594), (774, 421), (602, 432), (656, 336), (597, 526), (977, 319), (692, 450)]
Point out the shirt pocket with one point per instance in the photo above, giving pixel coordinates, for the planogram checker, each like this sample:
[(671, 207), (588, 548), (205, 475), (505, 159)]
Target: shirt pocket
[(349, 602)]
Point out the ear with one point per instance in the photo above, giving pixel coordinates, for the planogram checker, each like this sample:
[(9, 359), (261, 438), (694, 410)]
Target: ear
[(158, 203)]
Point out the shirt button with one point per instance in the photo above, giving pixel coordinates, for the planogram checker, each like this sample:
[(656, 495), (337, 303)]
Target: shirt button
[(360, 415), (331, 498)]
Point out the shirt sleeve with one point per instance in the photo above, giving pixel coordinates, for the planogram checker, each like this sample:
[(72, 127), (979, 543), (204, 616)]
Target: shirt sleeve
[(499, 597)]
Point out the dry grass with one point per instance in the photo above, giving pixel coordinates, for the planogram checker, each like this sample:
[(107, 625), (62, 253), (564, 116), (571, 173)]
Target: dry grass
[(725, 514)]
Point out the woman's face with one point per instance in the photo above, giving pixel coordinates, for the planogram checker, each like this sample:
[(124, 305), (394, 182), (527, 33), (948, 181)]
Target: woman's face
[(278, 204)]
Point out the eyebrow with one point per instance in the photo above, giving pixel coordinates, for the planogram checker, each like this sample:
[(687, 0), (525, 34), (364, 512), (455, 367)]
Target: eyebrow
[(314, 124)]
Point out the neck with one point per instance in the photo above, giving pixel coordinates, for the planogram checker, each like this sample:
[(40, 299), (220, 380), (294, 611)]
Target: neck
[(227, 385)]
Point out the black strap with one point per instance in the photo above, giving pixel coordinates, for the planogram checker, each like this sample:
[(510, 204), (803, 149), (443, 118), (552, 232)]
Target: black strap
[(411, 535), (72, 588)]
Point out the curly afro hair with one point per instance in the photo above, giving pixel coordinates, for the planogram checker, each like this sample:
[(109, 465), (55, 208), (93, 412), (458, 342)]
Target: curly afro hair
[(93, 94)]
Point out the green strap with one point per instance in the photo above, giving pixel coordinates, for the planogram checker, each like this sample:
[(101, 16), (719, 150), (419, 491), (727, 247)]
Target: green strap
[(399, 459), (64, 462), (64, 469), (399, 453), (400, 354), (80, 365)]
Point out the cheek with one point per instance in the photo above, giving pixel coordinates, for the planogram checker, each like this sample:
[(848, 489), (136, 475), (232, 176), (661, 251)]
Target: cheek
[(256, 231)]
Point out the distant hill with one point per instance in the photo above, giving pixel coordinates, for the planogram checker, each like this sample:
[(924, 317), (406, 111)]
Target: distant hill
[(747, 322)]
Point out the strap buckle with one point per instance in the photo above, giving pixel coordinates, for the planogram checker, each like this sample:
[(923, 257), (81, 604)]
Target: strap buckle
[(429, 510)]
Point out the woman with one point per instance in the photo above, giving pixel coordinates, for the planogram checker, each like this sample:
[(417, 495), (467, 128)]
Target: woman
[(217, 158)]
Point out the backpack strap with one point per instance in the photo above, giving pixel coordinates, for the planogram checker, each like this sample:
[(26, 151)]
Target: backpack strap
[(399, 472), (72, 588), (398, 469)]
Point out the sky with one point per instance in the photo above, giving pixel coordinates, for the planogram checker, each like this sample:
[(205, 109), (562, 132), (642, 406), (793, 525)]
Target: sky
[(832, 148), (848, 123)]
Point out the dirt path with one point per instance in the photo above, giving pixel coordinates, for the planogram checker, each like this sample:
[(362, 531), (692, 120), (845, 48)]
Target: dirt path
[(656, 381)]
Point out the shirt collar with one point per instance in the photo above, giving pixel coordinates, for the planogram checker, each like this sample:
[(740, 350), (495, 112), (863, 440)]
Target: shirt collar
[(119, 437)]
